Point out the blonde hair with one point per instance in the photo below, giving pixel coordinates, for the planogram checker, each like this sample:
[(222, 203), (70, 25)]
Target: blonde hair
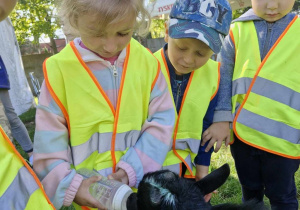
[(110, 11)]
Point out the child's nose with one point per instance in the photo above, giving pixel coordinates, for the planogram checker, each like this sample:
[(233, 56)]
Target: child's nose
[(272, 5), (110, 46), (188, 59)]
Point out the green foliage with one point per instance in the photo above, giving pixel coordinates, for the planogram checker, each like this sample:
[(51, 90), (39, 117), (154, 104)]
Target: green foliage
[(34, 18), (237, 13), (157, 28), (296, 6)]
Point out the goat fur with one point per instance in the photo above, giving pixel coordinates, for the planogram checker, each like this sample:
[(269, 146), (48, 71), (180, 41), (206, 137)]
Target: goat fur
[(165, 190)]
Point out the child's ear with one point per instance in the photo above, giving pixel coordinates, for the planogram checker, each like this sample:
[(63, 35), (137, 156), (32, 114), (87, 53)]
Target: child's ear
[(166, 31)]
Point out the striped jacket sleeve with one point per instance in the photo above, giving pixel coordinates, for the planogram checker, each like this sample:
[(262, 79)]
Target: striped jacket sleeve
[(150, 151), (52, 156)]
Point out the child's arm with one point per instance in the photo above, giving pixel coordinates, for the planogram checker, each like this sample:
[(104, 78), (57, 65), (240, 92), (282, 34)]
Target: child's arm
[(149, 153), (201, 171), (220, 131), (52, 152)]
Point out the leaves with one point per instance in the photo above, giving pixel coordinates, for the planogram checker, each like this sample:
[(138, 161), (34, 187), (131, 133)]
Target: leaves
[(157, 28), (32, 18)]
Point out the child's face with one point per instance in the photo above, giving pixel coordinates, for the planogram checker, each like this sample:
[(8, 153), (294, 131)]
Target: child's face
[(187, 55), (107, 42), (272, 10)]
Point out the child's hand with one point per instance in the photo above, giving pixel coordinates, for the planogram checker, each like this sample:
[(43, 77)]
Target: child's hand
[(208, 196), (83, 196), (217, 132), (120, 176)]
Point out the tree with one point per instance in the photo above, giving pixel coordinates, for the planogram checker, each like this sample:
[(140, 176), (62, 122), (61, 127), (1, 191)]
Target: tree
[(157, 28), (35, 18), (296, 7)]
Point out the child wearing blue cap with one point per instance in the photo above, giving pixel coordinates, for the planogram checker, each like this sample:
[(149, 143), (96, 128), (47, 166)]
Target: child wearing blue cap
[(194, 33)]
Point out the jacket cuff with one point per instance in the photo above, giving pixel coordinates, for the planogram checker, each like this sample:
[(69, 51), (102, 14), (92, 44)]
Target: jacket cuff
[(72, 190), (130, 172), (222, 116)]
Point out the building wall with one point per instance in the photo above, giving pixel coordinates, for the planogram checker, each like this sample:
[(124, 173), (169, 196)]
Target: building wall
[(34, 63)]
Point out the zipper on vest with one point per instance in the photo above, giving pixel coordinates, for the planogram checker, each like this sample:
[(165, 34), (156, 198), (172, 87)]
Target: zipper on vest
[(115, 75), (115, 72), (178, 93), (266, 47)]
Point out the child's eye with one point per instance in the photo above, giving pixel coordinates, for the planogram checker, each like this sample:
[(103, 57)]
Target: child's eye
[(181, 48), (123, 34), (199, 54), (99, 35)]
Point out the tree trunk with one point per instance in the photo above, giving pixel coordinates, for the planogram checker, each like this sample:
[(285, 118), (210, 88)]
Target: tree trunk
[(53, 45)]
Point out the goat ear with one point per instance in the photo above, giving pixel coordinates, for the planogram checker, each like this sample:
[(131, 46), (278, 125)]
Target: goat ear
[(214, 180), (131, 202)]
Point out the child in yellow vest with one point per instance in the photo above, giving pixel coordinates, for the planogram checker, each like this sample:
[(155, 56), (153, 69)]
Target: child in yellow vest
[(104, 104), (260, 89), (194, 33)]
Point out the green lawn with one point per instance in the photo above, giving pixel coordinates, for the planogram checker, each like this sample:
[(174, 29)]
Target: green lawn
[(229, 192)]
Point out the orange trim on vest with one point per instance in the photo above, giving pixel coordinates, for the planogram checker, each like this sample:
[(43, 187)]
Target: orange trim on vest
[(232, 37), (249, 90), (180, 169), (177, 124), (113, 140), (55, 98), (92, 76), (157, 74), (165, 61), (27, 166), (189, 176), (215, 93)]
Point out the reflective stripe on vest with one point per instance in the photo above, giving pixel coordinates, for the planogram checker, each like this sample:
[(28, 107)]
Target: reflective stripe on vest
[(97, 136), (266, 94), (189, 122), (19, 186)]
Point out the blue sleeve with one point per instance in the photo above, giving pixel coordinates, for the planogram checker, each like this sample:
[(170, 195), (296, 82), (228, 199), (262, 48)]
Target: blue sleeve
[(203, 158), (227, 58), (4, 81)]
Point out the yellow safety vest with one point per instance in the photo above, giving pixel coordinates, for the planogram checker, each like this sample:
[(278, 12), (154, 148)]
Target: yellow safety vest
[(266, 93), (97, 130), (20, 188), (70, 80), (201, 89)]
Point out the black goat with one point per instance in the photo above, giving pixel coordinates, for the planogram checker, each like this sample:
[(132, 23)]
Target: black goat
[(165, 190)]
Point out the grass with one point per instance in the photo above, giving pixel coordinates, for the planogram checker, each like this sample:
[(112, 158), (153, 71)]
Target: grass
[(229, 192)]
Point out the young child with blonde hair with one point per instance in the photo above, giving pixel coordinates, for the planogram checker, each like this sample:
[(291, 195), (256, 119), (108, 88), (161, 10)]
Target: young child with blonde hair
[(104, 104)]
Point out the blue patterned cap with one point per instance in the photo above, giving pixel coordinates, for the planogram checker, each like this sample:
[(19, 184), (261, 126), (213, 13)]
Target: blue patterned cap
[(205, 20)]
